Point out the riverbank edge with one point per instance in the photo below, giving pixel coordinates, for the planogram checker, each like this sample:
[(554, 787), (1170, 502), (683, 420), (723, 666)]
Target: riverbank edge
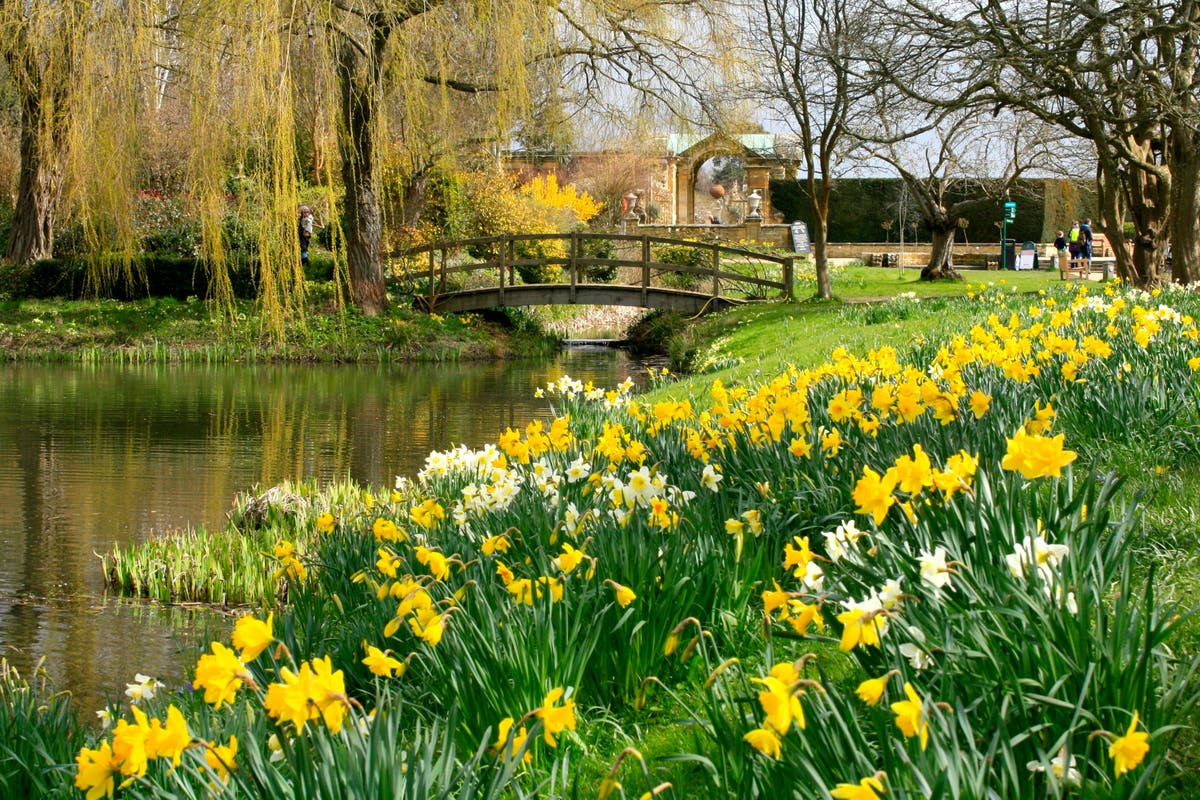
[(164, 330)]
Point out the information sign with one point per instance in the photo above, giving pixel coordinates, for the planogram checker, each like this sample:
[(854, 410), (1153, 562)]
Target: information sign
[(800, 243)]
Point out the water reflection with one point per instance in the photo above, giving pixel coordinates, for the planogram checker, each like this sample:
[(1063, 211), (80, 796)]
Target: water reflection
[(93, 456)]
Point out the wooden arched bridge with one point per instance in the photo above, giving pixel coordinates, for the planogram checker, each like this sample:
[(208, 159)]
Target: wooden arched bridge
[(592, 268)]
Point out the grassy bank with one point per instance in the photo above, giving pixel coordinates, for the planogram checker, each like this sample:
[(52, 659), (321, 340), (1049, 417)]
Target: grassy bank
[(164, 329)]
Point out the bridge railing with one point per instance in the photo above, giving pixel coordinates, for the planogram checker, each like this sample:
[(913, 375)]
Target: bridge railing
[(498, 260)]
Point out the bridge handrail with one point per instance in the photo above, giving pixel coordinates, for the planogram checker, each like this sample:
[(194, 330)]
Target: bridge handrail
[(460, 244), (502, 257)]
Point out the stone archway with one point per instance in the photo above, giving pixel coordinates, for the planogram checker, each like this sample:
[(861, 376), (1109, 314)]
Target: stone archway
[(686, 154)]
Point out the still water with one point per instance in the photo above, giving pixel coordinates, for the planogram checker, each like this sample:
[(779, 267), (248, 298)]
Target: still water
[(102, 455)]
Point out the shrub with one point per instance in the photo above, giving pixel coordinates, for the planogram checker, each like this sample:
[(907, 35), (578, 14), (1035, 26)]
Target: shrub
[(652, 333), (153, 276), (599, 273), (683, 255)]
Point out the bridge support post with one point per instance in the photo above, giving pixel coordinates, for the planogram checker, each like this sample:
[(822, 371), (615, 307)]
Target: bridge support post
[(716, 273), (573, 263), (645, 270), (502, 258)]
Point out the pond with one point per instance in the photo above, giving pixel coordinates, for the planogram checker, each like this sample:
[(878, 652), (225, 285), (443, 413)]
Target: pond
[(92, 456)]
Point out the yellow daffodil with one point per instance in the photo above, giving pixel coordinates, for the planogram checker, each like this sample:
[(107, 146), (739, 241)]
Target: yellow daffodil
[(866, 789), (873, 493), (1036, 456), (96, 771), (569, 559), (503, 732), (221, 757), (220, 674), (624, 594), (169, 740), (765, 741), (252, 636), (1128, 751), (910, 715), (556, 718), (381, 664), (871, 691)]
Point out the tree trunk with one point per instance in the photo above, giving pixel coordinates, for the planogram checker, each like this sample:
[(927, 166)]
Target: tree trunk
[(38, 189), (1184, 224), (359, 84), (941, 257), (1148, 202), (820, 251)]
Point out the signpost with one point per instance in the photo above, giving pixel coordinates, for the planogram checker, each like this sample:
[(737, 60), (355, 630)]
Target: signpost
[(1010, 215), (800, 242)]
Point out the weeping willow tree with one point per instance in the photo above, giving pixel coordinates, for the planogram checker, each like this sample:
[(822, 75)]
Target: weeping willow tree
[(360, 83), (41, 51)]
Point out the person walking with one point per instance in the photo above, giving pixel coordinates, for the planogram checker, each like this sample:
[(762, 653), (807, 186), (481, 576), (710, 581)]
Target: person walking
[(304, 230), (1060, 247), (1085, 243)]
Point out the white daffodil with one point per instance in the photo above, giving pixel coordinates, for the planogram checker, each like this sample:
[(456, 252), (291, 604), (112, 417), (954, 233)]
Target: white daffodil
[(934, 570)]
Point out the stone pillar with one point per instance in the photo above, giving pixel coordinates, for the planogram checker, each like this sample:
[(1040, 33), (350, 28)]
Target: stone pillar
[(683, 194), (758, 179)]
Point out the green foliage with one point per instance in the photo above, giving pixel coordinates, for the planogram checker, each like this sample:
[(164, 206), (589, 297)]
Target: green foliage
[(152, 275), (653, 333), (446, 205), (686, 256), (40, 734), (599, 273)]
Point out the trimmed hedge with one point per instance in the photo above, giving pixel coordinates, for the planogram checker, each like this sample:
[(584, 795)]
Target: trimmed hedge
[(154, 276), (858, 207)]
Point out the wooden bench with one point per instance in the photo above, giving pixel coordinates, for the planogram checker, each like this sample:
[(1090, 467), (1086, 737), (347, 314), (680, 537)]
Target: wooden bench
[(1074, 267)]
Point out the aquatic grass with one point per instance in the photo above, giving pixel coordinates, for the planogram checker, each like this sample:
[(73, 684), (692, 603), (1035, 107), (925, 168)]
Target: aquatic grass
[(234, 566)]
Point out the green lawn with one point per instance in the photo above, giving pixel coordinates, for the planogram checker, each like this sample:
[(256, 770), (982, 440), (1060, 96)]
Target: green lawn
[(853, 283)]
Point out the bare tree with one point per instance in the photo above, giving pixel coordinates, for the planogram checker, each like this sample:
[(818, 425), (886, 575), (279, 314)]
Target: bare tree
[(1124, 77), (952, 163), (807, 54)]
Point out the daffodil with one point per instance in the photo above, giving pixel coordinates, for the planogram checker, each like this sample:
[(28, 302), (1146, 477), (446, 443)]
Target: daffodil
[(624, 594), (381, 664), (1036, 456), (866, 789), (252, 636), (220, 674), (220, 758), (509, 743), (569, 559), (556, 718), (862, 623), (765, 741), (1128, 751), (910, 715), (96, 770), (873, 494), (169, 739), (871, 691)]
